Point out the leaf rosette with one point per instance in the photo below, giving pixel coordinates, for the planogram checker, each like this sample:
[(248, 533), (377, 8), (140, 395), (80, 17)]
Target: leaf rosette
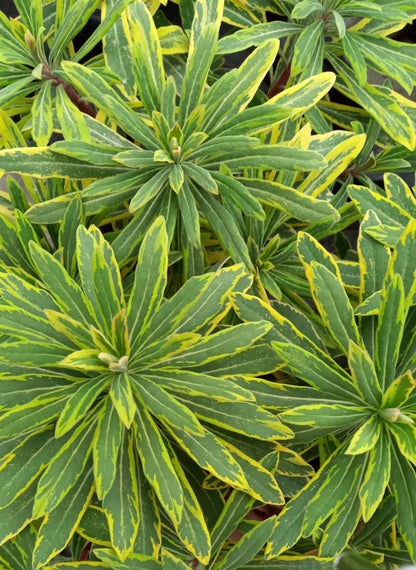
[(101, 384)]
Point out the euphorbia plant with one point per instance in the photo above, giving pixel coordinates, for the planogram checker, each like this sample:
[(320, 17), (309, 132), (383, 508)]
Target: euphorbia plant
[(179, 353)]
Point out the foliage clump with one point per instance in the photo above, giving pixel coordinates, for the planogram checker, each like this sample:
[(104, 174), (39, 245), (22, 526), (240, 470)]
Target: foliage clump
[(208, 285)]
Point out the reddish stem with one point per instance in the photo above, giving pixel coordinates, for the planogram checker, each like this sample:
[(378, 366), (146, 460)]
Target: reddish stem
[(85, 554), (281, 82)]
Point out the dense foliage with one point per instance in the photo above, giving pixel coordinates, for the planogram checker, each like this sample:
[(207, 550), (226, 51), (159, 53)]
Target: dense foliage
[(208, 285)]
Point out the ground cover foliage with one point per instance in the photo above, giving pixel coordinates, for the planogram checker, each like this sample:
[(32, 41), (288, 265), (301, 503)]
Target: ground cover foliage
[(208, 285)]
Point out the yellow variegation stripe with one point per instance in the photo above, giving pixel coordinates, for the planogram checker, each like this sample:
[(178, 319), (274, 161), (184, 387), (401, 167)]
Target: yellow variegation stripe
[(121, 502), (338, 159), (59, 525), (157, 465), (305, 94), (365, 437)]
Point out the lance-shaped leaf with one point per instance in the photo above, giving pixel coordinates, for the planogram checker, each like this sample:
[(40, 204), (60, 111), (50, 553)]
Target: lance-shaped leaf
[(101, 94), (326, 416), (241, 417), (149, 534), (378, 102), (248, 546), (40, 162), (42, 117), (306, 94), (166, 408), (70, 297), (121, 502), (196, 383), (333, 305), (27, 416), (376, 476), (256, 35), (212, 455), (59, 525), (364, 375), (77, 406), (316, 372), (26, 462), (290, 200), (366, 437), (403, 480), (147, 54), (157, 465), (64, 470), (216, 346), (71, 119), (199, 304), (389, 331), (402, 264), (225, 227), (192, 528), (100, 276), (107, 441), (405, 436), (197, 68), (338, 160), (340, 482), (231, 93), (16, 516), (122, 398)]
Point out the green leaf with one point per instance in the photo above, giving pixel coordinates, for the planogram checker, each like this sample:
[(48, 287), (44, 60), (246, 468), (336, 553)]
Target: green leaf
[(157, 465), (197, 68), (149, 282), (405, 436), (310, 37), (42, 118), (162, 405), (325, 416), (376, 477), (100, 276), (147, 53), (333, 305), (79, 403), (149, 534), (59, 525), (342, 478), (352, 51), (316, 372), (150, 189), (114, 18), (26, 462), (231, 94), (248, 546), (378, 102), (40, 162), (290, 200), (225, 227), (121, 502), (117, 42), (364, 375), (403, 480), (73, 22), (366, 437), (212, 455), (73, 217), (192, 528), (122, 398), (64, 470), (16, 516), (256, 35), (102, 95), (389, 331), (31, 14), (198, 384)]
